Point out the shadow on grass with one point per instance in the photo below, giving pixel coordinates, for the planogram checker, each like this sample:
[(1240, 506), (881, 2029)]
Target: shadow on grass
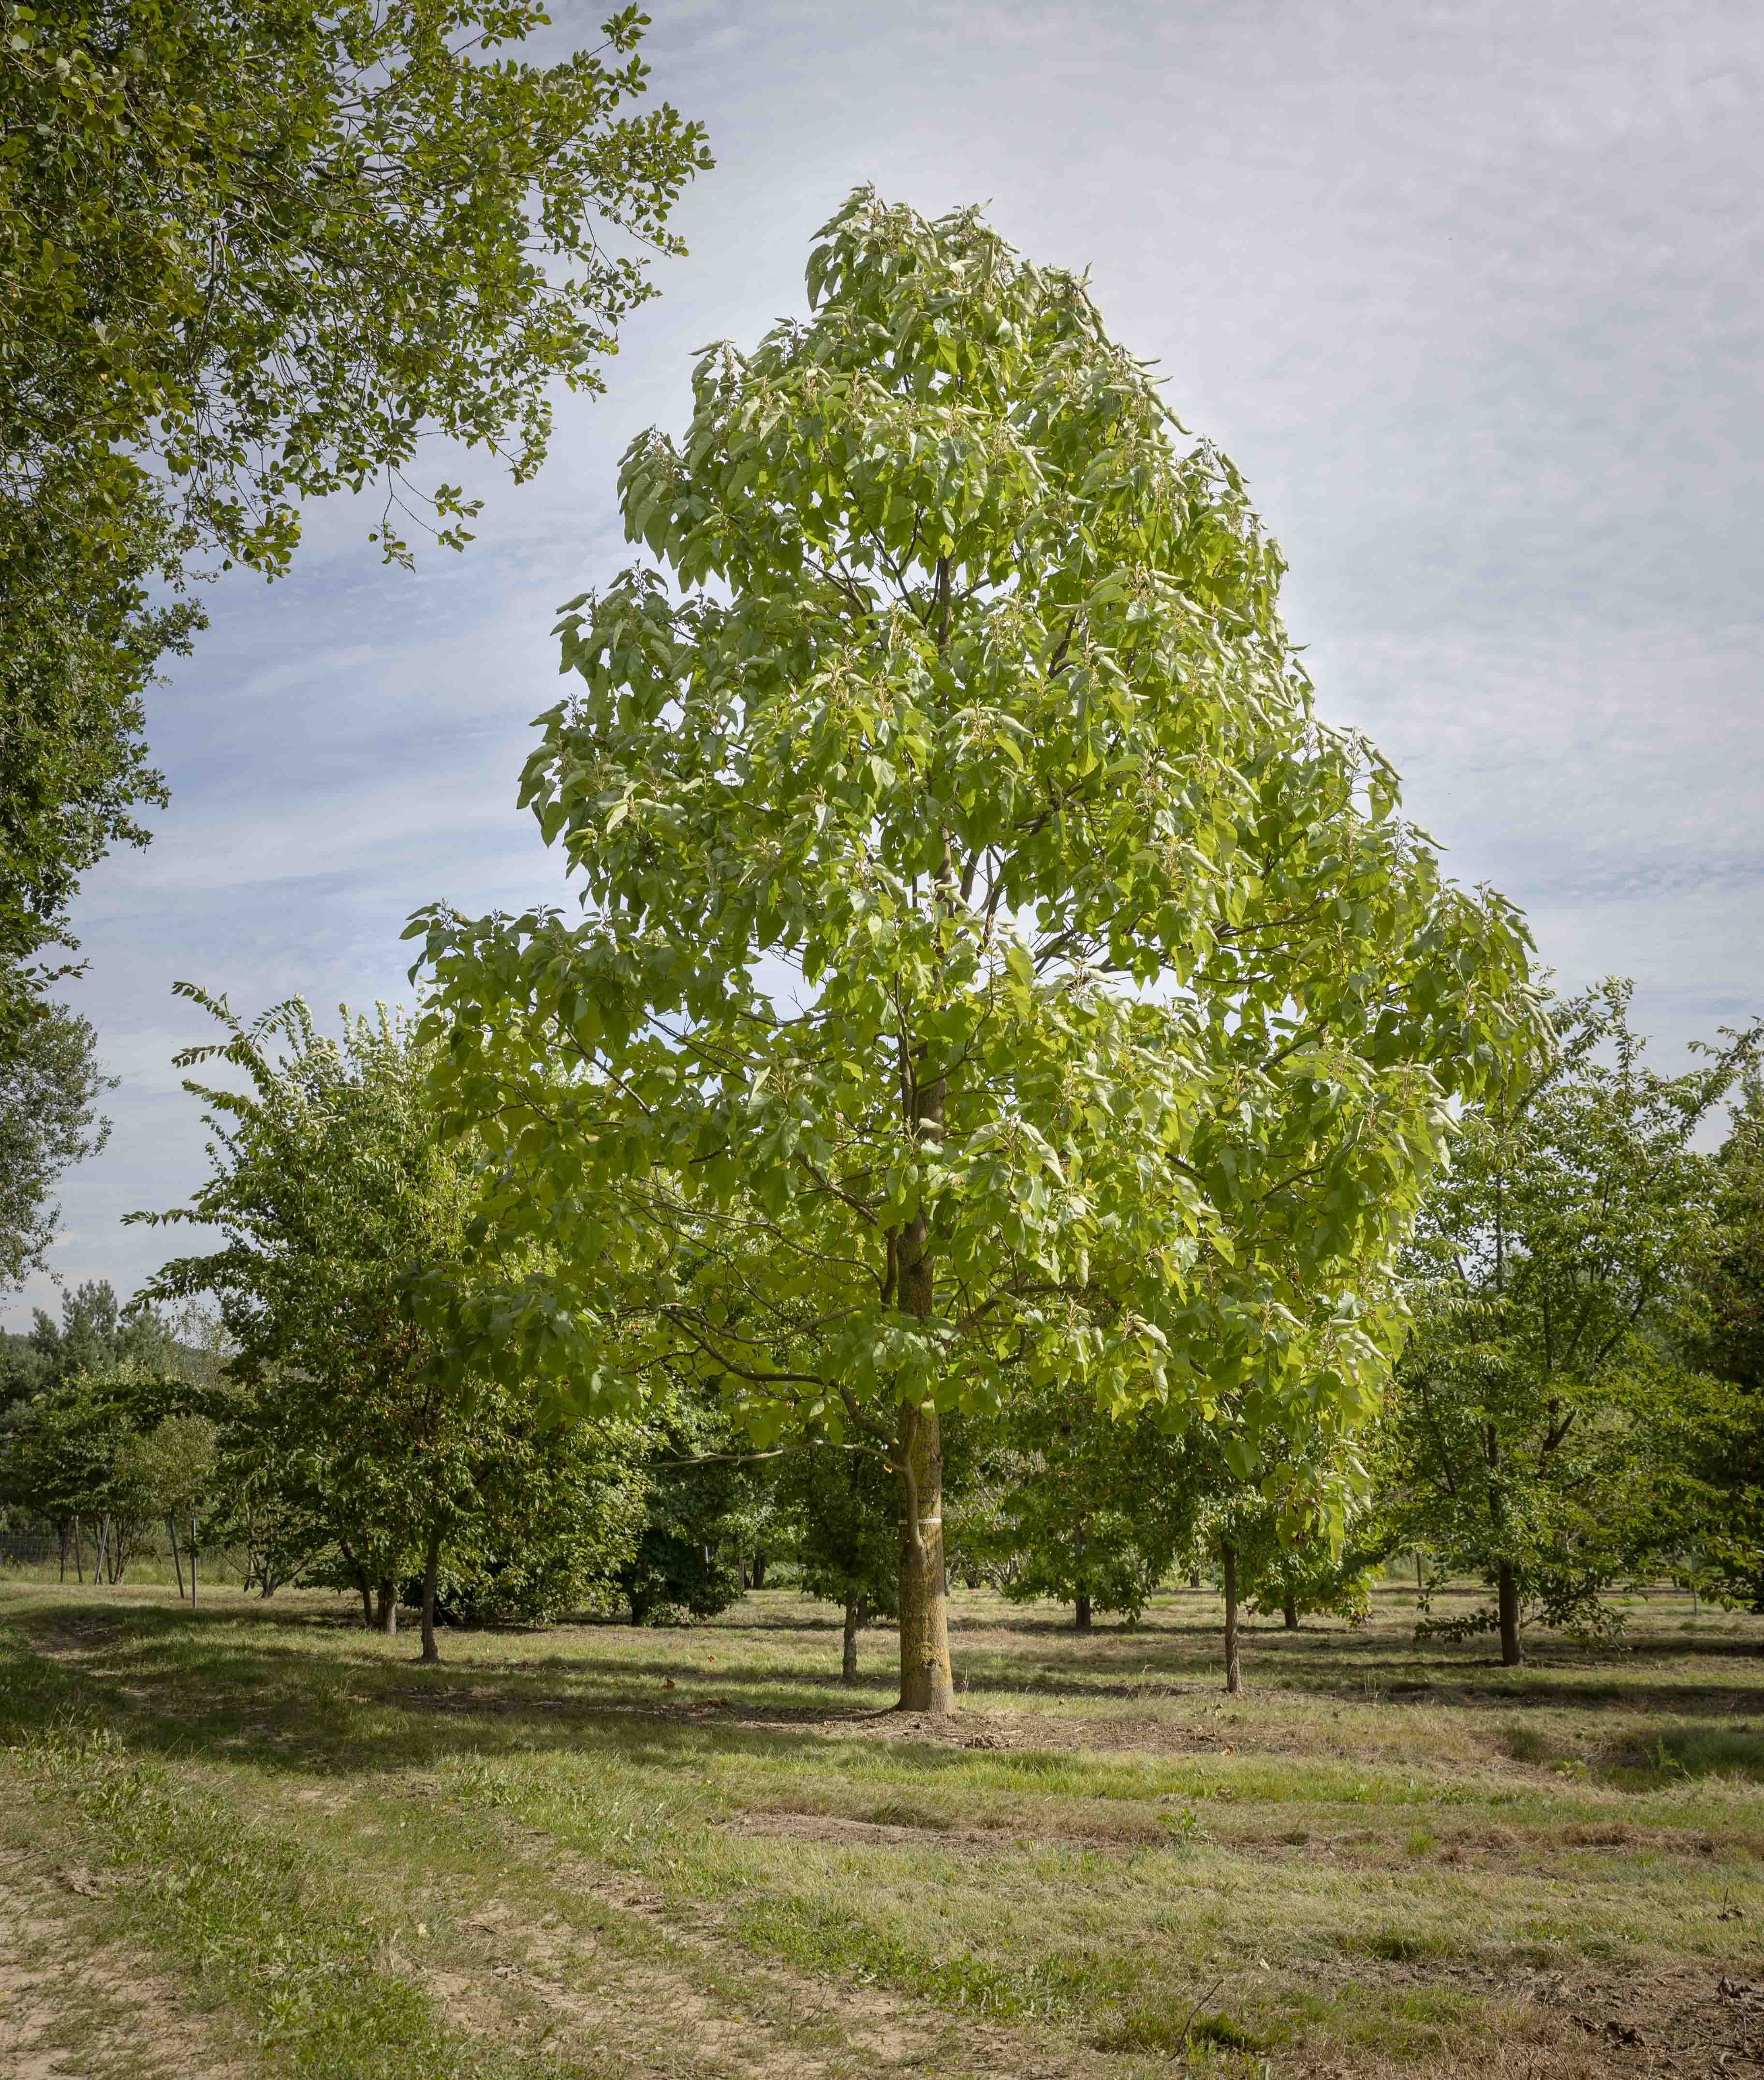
[(268, 1685)]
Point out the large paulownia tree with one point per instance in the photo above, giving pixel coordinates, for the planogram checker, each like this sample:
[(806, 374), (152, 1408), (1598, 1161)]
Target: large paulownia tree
[(992, 970)]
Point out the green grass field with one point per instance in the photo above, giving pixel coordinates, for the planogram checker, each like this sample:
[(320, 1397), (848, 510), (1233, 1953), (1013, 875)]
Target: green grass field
[(256, 1840)]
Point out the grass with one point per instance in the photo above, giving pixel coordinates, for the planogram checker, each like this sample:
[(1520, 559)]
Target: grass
[(598, 1849)]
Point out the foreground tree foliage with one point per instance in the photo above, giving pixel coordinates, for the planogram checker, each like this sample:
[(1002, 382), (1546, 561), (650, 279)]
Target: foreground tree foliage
[(250, 254), (994, 970), (1538, 1435)]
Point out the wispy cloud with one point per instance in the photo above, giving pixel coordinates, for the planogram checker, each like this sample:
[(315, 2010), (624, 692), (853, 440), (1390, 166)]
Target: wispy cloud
[(1469, 290)]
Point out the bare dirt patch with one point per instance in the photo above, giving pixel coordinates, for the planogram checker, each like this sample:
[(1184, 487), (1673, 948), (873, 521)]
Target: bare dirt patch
[(72, 2000), (689, 2002)]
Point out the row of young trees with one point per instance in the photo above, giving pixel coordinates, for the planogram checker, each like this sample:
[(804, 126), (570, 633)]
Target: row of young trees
[(1015, 1059), (1577, 1405)]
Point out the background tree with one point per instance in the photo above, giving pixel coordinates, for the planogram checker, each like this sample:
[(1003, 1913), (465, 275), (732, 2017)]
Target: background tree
[(117, 1448), (842, 1505), (96, 1335), (1718, 1441), (50, 1085), (250, 254), (557, 1508), (1092, 1509), (688, 1559), (993, 969), (167, 1475), (1524, 1443), (336, 1195)]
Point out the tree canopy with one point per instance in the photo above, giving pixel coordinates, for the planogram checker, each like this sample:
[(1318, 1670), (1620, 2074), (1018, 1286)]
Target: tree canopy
[(250, 254), (334, 1192), (994, 965), (50, 1087), (1529, 1439)]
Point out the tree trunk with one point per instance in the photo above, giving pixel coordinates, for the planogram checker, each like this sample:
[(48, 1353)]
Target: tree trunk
[(79, 1554), (61, 1532), (192, 1563), (367, 1603), (1228, 1553), (1081, 1612), (1509, 1590), (432, 1566), (926, 1684), (171, 1526), (759, 1570), (741, 1570), (385, 1617), (1289, 1610), (848, 1670)]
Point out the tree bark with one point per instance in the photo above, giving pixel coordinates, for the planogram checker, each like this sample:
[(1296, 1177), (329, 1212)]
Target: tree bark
[(1081, 1612), (432, 1566), (759, 1570), (1228, 1553), (848, 1667), (926, 1682), (1508, 1588), (367, 1603), (385, 1617), (1289, 1610), (171, 1526)]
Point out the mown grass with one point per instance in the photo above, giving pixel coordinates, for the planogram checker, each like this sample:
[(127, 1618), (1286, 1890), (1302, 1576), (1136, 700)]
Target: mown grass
[(1378, 1853)]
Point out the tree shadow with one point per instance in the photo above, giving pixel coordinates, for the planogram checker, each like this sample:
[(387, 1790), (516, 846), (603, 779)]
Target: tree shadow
[(254, 1683)]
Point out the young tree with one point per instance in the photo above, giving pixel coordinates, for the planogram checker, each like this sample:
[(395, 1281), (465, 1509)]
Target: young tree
[(1718, 1445), (846, 1541), (335, 1196), (252, 254), (557, 1510), (685, 1563), (993, 970), (1091, 1509), (1524, 1440), (50, 1085)]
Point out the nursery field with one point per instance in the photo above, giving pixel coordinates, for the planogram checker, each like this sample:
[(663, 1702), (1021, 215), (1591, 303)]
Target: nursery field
[(256, 1840)]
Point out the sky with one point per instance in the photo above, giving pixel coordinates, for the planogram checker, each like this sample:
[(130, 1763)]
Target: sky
[(1469, 292)]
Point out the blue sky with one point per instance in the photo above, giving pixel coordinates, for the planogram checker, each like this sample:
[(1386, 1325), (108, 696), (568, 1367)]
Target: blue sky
[(1469, 292)]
